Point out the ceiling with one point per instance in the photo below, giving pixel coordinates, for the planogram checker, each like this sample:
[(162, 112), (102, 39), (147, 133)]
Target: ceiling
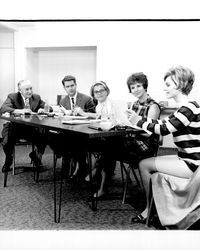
[(14, 26), (4, 28)]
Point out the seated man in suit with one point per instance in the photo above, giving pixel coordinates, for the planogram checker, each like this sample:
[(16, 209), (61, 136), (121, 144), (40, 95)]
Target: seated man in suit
[(70, 104), (22, 102), (75, 99)]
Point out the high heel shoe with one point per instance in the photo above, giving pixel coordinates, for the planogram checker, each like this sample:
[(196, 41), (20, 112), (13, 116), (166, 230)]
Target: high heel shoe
[(100, 195), (94, 175), (138, 219)]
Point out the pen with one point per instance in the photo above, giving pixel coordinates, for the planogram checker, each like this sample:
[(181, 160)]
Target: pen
[(93, 127), (63, 109)]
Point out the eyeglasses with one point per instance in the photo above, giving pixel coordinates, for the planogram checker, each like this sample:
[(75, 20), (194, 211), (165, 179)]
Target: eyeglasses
[(101, 91)]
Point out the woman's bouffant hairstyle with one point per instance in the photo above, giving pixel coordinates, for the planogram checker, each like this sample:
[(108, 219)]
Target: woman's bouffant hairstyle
[(96, 84), (68, 78), (137, 78), (182, 77)]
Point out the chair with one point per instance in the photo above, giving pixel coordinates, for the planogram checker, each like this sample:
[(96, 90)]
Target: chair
[(22, 142), (127, 170), (59, 97), (177, 200), (132, 167)]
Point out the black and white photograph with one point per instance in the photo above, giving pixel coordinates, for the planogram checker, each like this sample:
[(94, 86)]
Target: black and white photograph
[(99, 125)]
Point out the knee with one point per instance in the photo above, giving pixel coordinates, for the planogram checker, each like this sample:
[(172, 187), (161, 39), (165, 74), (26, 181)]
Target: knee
[(145, 165)]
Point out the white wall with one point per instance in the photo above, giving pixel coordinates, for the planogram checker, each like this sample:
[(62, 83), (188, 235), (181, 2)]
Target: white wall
[(6, 66), (46, 67), (54, 64), (32, 68), (122, 48)]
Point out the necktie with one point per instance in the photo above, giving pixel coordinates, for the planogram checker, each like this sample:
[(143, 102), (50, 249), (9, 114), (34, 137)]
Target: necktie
[(73, 105), (27, 104)]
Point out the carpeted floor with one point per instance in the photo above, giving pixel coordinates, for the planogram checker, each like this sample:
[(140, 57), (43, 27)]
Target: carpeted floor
[(27, 205)]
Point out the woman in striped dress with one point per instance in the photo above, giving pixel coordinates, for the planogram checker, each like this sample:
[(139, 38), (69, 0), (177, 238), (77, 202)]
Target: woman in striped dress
[(184, 125)]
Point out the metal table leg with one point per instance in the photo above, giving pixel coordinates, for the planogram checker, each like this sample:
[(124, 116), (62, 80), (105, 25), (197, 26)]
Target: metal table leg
[(94, 200), (5, 179), (54, 181), (57, 216)]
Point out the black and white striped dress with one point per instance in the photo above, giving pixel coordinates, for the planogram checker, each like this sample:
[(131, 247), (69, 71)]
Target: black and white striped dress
[(184, 125)]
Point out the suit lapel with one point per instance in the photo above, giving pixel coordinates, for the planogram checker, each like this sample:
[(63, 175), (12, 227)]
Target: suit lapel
[(32, 103), (20, 102), (78, 100), (67, 103)]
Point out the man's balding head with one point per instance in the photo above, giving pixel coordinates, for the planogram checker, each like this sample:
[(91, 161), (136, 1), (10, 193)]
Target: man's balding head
[(25, 88)]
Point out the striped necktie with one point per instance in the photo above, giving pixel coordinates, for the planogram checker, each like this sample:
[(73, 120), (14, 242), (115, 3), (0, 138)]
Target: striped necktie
[(27, 104)]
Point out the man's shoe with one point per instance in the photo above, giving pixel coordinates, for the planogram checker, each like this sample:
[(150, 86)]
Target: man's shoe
[(7, 165), (35, 159), (6, 168)]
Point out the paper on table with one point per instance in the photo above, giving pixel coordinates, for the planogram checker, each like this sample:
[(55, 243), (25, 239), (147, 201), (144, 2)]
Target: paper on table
[(71, 117), (74, 121)]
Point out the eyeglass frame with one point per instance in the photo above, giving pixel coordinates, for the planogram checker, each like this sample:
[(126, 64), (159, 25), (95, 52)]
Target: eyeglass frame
[(101, 91)]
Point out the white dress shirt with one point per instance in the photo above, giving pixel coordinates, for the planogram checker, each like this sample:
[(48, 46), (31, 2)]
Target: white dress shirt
[(106, 109)]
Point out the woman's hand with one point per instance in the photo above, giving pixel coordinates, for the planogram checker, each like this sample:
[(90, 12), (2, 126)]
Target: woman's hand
[(132, 116)]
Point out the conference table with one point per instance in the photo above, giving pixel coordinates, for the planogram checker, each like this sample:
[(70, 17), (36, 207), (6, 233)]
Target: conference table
[(77, 132)]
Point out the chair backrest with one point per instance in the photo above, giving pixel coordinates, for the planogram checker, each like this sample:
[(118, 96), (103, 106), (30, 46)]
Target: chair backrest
[(23, 142), (59, 97)]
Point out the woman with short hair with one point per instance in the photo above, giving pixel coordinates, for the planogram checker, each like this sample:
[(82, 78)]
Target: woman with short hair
[(184, 126)]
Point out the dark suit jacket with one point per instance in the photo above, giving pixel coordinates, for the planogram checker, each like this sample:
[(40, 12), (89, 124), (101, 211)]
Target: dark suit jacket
[(15, 101), (83, 101), (10, 132)]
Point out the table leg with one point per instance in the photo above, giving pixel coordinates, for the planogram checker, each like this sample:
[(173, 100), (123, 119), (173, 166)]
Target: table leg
[(54, 181), (60, 197), (57, 216), (5, 179), (94, 201)]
